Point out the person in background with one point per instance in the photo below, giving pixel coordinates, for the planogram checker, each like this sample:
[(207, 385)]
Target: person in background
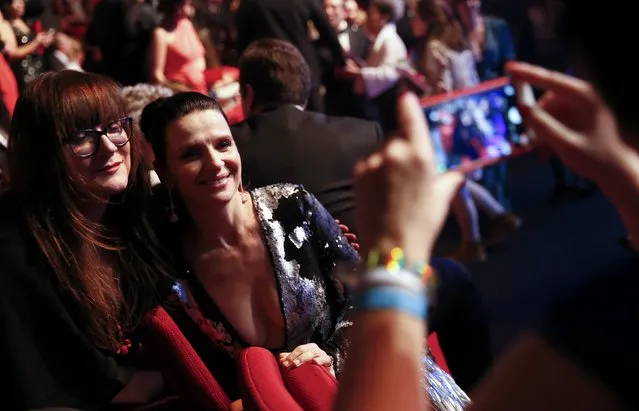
[(177, 53), (135, 99), (354, 15), (289, 21), (214, 20), (22, 48), (493, 46), (404, 27), (541, 44), (447, 62), (8, 85), (340, 98), (67, 54), (45, 11), (490, 39), (321, 150), (378, 78), (120, 31)]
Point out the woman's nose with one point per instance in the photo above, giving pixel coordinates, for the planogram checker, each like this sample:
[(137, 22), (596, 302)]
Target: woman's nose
[(106, 145), (214, 159)]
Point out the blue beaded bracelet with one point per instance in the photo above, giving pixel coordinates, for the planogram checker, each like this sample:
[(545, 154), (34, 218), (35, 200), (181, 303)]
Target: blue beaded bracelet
[(393, 299)]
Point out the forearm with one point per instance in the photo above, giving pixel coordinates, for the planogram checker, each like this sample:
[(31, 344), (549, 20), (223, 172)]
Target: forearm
[(371, 382), (18, 53), (379, 79), (385, 374)]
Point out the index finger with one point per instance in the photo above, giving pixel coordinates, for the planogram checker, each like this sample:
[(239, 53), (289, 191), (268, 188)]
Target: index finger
[(549, 80), (414, 128)]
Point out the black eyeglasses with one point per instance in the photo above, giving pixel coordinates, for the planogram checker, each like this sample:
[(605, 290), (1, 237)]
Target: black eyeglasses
[(87, 142)]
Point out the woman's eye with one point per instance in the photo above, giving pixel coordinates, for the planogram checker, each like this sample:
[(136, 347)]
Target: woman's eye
[(190, 153), (79, 138), (224, 144), (114, 128)]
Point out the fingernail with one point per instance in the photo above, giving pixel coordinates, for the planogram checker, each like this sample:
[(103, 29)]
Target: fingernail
[(286, 363), (525, 95), (296, 362)]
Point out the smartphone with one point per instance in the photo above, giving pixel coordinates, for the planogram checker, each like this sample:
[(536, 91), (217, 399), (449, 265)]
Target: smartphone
[(479, 126)]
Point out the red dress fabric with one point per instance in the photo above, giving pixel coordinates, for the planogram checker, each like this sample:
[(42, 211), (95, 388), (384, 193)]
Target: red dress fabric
[(184, 58), (8, 86)]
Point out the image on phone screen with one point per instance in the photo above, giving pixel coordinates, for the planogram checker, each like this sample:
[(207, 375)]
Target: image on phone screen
[(481, 124)]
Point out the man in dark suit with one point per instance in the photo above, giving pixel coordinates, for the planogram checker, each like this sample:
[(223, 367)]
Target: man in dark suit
[(281, 142), (340, 98), (289, 20)]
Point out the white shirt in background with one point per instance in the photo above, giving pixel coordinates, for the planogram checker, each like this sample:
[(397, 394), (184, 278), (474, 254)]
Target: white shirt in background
[(388, 51)]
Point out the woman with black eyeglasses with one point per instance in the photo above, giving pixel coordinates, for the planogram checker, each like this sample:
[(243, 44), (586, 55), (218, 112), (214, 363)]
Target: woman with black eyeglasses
[(76, 248)]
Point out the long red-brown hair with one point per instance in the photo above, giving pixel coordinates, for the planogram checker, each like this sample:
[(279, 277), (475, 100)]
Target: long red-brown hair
[(81, 252)]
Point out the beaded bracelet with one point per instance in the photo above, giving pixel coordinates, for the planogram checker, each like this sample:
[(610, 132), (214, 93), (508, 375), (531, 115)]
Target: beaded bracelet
[(392, 299), (381, 276), (396, 261)]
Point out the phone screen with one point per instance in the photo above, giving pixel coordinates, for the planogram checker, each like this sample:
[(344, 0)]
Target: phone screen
[(477, 126)]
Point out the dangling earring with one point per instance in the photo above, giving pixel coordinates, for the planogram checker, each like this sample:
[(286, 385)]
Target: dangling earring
[(173, 217), (242, 193)]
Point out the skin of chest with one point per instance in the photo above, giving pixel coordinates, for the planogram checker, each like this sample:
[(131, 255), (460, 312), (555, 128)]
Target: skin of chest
[(241, 282)]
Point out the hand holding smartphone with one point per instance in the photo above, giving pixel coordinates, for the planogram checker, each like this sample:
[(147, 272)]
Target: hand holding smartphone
[(480, 126)]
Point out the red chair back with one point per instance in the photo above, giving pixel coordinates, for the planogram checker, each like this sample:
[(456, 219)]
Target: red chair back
[(435, 349), (181, 367), (312, 386), (261, 382)]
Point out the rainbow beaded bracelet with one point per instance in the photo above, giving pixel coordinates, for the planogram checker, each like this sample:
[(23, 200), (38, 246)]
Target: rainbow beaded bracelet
[(395, 261)]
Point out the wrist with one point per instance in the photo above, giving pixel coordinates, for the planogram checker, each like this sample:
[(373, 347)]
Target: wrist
[(620, 180), (414, 252), (393, 269), (394, 299)]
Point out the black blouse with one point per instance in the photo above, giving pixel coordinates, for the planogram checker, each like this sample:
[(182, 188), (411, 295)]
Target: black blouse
[(46, 356)]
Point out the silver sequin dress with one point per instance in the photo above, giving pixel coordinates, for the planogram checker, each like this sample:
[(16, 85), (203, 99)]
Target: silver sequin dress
[(305, 244)]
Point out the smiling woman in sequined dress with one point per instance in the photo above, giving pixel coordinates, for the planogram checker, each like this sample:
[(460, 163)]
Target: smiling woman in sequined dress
[(257, 265)]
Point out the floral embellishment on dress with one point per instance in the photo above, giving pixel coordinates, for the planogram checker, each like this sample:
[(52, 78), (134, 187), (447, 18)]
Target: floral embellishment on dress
[(214, 330)]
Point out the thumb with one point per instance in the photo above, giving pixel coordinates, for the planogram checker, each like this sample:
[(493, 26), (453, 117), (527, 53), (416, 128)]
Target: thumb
[(545, 126)]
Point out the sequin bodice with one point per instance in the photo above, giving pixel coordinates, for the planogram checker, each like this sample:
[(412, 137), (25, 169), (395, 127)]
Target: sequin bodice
[(306, 245)]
